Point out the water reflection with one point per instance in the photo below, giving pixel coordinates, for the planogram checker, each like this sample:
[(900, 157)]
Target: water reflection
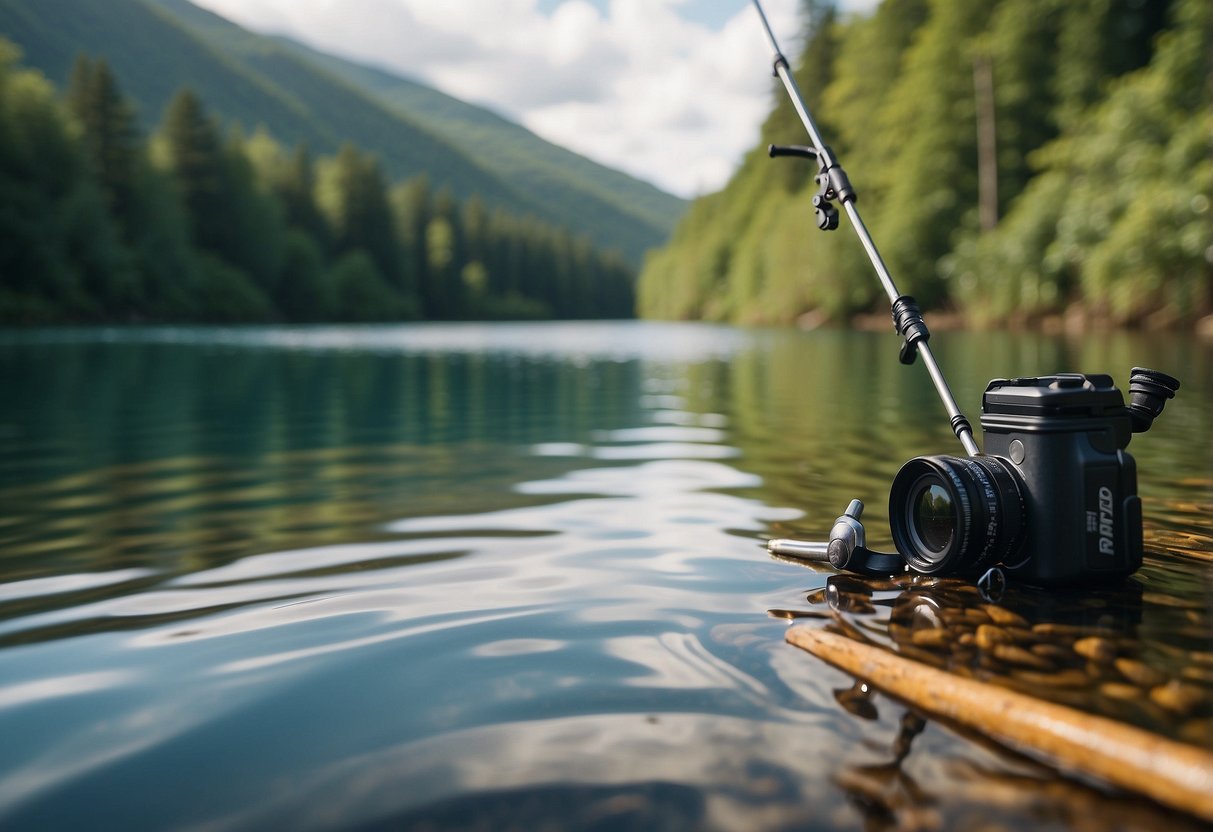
[(419, 575)]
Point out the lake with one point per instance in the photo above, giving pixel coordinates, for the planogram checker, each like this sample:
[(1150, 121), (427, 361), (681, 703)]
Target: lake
[(513, 576)]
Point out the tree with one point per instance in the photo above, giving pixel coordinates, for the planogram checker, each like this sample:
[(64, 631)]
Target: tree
[(59, 253), (228, 215), (363, 294), (355, 198), (1117, 217), (305, 292), (254, 228), (195, 158), (413, 210), (111, 136), (934, 190), (446, 257), (291, 179)]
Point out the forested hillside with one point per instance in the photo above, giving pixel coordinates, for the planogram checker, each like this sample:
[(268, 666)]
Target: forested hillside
[(155, 47), (1088, 192), (99, 222)]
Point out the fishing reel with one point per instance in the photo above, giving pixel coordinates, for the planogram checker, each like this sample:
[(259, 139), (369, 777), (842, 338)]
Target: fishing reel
[(846, 549), (831, 179)]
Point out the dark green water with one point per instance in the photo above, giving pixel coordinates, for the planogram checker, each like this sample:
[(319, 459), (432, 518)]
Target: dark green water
[(504, 576)]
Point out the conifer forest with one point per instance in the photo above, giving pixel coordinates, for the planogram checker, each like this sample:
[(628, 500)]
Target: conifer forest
[(197, 223)]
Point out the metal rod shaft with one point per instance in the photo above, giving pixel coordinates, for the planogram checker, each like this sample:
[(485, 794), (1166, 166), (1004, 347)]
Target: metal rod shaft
[(802, 549), (945, 395), (784, 72)]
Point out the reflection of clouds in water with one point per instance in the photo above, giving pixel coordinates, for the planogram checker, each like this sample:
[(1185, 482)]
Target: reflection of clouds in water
[(753, 775), (603, 598), (82, 745), (53, 687), (576, 342), (665, 477), (60, 584), (661, 433), (517, 647)]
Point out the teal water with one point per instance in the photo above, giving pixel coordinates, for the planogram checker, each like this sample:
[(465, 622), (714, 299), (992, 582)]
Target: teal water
[(514, 576)]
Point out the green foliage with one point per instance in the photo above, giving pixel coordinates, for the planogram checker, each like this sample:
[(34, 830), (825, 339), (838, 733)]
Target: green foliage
[(354, 197), (226, 295), (59, 258), (110, 134), (1103, 162), (1118, 219), (94, 227), (195, 158), (304, 293), (363, 294)]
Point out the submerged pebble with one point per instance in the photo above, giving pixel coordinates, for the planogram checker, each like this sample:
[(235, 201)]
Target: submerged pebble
[(1011, 654), (988, 636), (1139, 673), (1003, 616), (1177, 697), (1120, 690), (1096, 648)]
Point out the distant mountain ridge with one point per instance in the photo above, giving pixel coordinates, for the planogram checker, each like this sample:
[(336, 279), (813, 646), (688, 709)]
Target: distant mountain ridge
[(301, 95)]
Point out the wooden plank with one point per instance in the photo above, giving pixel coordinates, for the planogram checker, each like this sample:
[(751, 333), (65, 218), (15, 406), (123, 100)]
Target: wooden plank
[(1172, 773)]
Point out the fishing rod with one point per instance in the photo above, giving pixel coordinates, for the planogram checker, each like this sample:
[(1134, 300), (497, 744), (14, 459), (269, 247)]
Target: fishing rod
[(833, 185), (1053, 500)]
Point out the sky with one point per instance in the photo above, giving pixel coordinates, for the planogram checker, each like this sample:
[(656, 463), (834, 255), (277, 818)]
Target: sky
[(670, 91)]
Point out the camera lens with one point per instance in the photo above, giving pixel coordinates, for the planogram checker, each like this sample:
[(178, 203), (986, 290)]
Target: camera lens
[(953, 515), (934, 517)]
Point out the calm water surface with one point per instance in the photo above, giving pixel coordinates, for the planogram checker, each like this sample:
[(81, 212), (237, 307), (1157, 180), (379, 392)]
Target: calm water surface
[(506, 576)]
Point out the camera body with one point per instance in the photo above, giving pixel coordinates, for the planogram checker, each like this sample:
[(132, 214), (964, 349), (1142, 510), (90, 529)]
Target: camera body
[(1064, 436), (1053, 500)]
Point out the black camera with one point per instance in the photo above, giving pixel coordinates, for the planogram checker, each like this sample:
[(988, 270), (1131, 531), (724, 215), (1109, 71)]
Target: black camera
[(1052, 501), (1054, 498)]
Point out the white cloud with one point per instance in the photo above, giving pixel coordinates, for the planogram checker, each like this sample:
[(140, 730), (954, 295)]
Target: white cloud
[(638, 87)]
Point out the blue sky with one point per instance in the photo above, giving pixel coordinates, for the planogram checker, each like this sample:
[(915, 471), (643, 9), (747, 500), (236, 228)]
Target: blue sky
[(670, 91)]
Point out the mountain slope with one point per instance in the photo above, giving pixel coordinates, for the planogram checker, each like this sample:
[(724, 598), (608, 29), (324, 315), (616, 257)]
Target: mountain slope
[(518, 154), (153, 56), (523, 160), (158, 46)]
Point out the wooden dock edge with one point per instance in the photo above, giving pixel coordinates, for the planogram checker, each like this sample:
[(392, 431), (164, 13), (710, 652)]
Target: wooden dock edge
[(1173, 773)]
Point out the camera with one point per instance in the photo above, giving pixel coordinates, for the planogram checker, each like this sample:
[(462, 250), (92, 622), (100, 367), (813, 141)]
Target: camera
[(1052, 501), (1054, 498)]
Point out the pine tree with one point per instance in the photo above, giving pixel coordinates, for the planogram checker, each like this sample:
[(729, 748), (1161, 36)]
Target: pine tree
[(60, 256), (195, 158), (255, 231), (356, 200), (111, 135), (297, 191), (446, 255), (413, 210)]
